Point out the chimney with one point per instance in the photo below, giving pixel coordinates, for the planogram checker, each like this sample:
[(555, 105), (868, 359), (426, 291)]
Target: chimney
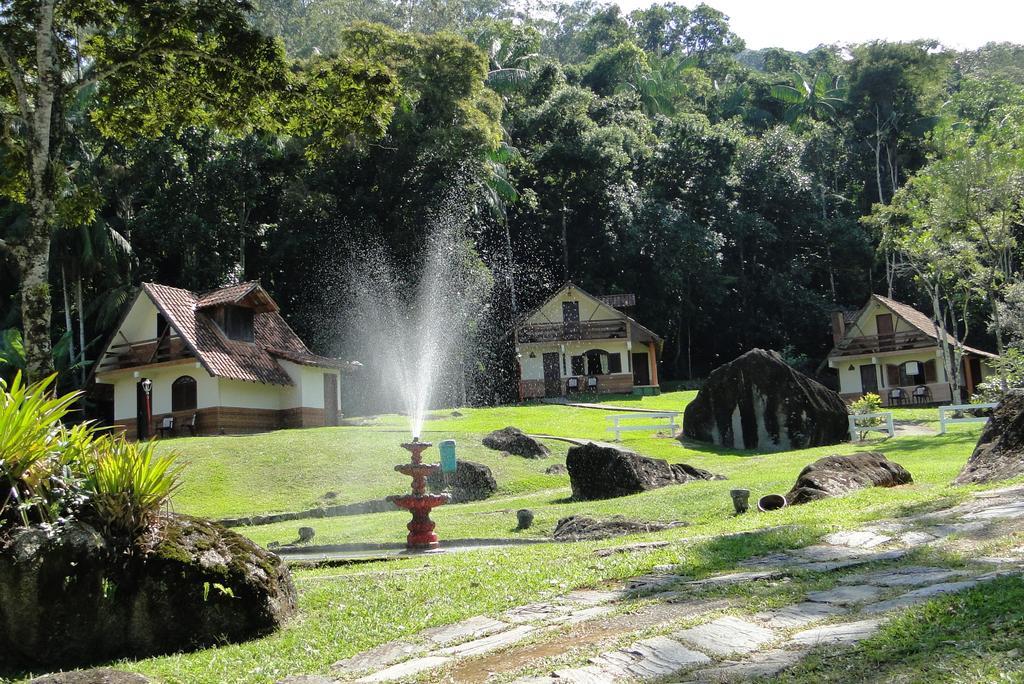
[(838, 326)]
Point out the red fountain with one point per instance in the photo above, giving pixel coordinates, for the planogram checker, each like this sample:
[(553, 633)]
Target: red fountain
[(419, 503)]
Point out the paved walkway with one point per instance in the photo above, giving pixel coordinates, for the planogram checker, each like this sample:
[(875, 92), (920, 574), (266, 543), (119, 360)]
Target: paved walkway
[(603, 407), (664, 625)]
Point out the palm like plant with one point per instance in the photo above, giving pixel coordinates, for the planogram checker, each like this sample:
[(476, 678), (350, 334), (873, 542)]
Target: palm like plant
[(818, 98), (662, 88), (510, 57)]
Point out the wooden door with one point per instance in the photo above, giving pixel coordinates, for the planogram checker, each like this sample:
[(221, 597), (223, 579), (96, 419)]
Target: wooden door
[(330, 399), (869, 378), (141, 411), (641, 369), (552, 375), (571, 319), (885, 331)]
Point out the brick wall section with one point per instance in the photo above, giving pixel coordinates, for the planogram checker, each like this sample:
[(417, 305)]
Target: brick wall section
[(226, 420)]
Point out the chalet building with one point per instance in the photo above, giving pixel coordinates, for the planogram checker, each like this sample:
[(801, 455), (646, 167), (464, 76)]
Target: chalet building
[(220, 362), (576, 342), (893, 350)]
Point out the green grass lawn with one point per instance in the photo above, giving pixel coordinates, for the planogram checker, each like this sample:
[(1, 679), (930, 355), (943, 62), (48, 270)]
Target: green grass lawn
[(349, 609)]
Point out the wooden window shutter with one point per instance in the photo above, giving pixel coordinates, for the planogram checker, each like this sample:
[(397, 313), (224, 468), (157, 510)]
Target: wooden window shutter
[(929, 371), (892, 375)]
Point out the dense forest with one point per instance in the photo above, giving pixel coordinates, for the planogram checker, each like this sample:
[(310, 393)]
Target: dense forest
[(742, 195)]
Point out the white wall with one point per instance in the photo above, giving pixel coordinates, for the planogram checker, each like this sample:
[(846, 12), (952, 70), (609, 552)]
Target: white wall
[(849, 381), (308, 390), (533, 369), (242, 394), (590, 309), (207, 389)]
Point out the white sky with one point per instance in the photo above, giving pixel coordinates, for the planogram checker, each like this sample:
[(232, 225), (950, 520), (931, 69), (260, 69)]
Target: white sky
[(803, 24)]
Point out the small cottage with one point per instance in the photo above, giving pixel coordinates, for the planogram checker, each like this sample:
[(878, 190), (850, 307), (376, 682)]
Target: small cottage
[(219, 362), (576, 342), (893, 350)]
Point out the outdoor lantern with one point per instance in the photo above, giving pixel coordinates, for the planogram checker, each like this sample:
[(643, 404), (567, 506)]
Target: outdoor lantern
[(851, 367), (533, 355), (447, 449), (147, 385)]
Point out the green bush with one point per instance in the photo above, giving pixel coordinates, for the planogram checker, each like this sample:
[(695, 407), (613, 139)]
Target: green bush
[(869, 403), (127, 485), (50, 472)]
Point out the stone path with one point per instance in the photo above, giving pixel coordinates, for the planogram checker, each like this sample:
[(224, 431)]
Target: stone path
[(663, 625)]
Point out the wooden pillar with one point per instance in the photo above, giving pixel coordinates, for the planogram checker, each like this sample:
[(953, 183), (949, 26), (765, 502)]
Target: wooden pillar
[(968, 377), (652, 355)]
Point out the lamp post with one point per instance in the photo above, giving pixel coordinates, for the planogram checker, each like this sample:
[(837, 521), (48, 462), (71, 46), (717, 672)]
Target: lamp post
[(147, 389)]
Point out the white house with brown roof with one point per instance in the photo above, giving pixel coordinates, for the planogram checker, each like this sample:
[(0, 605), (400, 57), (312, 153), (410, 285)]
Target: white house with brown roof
[(220, 362), (576, 342), (893, 350)]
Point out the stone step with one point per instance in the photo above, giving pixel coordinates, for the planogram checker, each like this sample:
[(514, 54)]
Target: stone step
[(726, 636)]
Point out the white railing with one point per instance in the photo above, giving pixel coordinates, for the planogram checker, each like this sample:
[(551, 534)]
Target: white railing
[(668, 418), (856, 430), (944, 421)]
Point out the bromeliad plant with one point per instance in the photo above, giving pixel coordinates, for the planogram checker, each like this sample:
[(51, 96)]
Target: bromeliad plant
[(36, 451), (127, 485), (50, 472)]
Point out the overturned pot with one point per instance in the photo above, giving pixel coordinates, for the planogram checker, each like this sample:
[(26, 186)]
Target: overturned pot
[(740, 500), (771, 502)]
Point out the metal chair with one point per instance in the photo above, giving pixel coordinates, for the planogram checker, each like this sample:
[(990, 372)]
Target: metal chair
[(166, 426), (572, 384), (897, 397), (592, 383), (922, 394)]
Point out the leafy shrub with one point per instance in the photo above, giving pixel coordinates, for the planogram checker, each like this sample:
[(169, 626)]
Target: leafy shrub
[(35, 450), (869, 403), (127, 484), (1011, 366), (50, 472)]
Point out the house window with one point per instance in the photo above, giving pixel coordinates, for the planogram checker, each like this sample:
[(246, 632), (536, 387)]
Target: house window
[(615, 363), (238, 323), (183, 393), (598, 362), (917, 372), (578, 367)]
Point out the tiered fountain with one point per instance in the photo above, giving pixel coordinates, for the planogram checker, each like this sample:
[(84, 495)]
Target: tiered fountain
[(419, 503)]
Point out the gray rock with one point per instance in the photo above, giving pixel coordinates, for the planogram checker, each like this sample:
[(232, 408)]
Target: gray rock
[(842, 633), (380, 656), (757, 401), (846, 596), (726, 636), (472, 628), (999, 454), (577, 527), (489, 643), (524, 519), (837, 475), (196, 585), (757, 666), (306, 534), (556, 469), (515, 442), (470, 482), (406, 669), (798, 615), (605, 472)]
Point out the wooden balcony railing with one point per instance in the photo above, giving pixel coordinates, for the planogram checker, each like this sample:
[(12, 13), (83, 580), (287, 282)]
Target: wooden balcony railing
[(584, 330), (144, 353), (874, 344)]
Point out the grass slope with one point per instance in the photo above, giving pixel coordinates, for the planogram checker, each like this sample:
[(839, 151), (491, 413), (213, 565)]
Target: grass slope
[(346, 610)]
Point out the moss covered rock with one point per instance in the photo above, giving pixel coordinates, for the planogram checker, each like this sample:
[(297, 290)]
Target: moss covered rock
[(68, 597)]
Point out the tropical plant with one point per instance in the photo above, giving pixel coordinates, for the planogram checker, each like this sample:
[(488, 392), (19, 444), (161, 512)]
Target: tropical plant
[(34, 450), (866, 405), (127, 484), (818, 98)]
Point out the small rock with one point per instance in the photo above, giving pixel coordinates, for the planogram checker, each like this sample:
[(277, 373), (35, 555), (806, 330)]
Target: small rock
[(556, 469), (836, 475), (456, 414), (525, 518), (306, 534), (274, 545), (97, 676), (576, 527), (604, 472), (470, 482), (515, 441)]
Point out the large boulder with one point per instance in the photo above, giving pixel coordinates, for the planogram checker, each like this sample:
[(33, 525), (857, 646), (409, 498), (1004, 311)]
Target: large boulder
[(470, 482), (757, 401), (999, 454), (604, 472), (516, 442), (837, 475), (69, 598)]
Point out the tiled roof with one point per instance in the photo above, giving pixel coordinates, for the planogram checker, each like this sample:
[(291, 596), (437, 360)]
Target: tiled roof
[(921, 321), (226, 358), (234, 294)]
